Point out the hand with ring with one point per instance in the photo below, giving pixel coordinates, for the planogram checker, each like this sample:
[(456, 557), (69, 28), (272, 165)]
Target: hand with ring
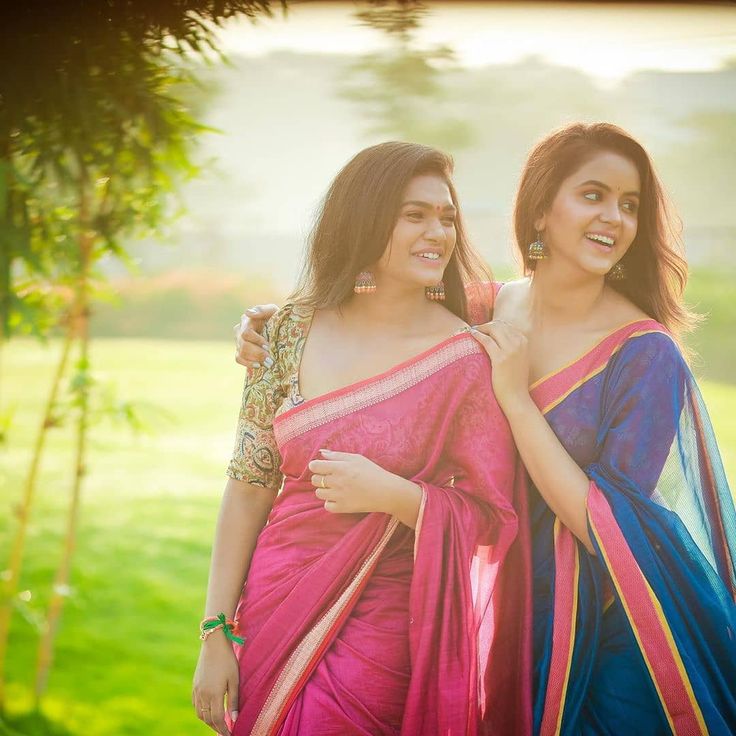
[(348, 483), (215, 680)]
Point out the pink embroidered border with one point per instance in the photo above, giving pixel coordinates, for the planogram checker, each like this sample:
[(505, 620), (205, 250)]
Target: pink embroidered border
[(567, 575), (316, 412), (555, 387)]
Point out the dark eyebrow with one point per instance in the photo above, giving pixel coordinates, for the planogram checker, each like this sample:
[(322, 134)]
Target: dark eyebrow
[(428, 206), (605, 187)]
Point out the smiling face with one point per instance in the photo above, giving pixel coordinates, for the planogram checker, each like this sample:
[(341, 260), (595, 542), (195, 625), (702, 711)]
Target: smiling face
[(593, 218), (424, 236)]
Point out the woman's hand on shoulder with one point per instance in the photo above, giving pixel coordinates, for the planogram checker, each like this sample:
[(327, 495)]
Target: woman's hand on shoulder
[(216, 676), (251, 350), (508, 350)]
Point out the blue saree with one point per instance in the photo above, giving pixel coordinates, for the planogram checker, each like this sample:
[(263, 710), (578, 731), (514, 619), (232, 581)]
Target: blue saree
[(641, 637)]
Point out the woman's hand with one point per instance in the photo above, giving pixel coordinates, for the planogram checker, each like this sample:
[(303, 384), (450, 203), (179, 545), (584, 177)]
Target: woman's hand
[(349, 484), (507, 348), (250, 348), (216, 676)]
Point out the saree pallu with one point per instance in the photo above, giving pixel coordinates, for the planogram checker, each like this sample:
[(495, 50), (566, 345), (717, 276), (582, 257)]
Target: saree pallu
[(639, 638), (354, 623)]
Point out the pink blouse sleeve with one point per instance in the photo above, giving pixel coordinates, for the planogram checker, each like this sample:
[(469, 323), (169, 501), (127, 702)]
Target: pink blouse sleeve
[(481, 296)]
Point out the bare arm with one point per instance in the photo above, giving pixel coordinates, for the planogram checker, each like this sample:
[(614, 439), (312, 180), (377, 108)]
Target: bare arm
[(559, 479), (556, 475), (243, 513)]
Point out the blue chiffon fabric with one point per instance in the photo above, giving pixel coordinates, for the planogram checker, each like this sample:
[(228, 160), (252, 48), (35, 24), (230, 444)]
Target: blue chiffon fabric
[(640, 430)]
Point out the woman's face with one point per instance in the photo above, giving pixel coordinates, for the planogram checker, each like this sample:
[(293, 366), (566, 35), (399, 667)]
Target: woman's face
[(594, 216), (423, 237)]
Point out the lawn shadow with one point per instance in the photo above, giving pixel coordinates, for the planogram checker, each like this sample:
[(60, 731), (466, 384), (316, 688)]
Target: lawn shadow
[(33, 723)]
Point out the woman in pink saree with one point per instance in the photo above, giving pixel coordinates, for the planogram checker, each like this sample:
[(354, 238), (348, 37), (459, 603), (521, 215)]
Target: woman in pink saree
[(371, 604)]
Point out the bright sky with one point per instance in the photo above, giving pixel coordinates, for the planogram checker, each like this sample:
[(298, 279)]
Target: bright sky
[(605, 41)]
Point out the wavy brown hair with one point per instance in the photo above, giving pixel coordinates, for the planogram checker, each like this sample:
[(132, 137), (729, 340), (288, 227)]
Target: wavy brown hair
[(655, 266), (357, 217)]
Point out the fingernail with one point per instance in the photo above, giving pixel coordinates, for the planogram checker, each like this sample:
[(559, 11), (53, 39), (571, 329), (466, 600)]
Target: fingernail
[(252, 310), (267, 347), (268, 362), (234, 715), (256, 365)]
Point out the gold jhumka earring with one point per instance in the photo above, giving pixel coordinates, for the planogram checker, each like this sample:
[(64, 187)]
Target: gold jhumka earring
[(435, 293), (537, 250), (364, 283)]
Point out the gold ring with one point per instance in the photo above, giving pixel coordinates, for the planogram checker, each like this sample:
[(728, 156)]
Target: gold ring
[(322, 482)]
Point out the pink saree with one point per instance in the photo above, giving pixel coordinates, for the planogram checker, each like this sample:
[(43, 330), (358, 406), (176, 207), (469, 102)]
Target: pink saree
[(354, 623)]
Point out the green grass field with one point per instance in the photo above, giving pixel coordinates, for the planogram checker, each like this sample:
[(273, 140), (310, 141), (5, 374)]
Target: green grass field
[(128, 639)]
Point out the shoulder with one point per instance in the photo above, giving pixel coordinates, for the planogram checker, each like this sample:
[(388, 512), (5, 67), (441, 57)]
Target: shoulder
[(472, 366), (639, 340), (511, 297), (648, 339), (286, 331), (648, 351), (289, 323)]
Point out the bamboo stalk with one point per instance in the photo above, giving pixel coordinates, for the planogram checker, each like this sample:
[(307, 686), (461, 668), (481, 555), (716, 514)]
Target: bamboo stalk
[(61, 579), (11, 575), (63, 572)]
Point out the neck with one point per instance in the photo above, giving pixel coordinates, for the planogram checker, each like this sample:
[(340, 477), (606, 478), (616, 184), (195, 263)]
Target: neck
[(564, 296), (390, 307)]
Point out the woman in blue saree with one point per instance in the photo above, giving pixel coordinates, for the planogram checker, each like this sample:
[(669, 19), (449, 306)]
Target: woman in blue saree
[(633, 524)]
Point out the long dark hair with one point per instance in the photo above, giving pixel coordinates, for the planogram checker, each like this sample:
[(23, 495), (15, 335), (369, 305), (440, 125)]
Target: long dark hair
[(358, 215), (655, 266)]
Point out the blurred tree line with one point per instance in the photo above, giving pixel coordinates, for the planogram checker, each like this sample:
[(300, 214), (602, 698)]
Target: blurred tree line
[(487, 117), (401, 90)]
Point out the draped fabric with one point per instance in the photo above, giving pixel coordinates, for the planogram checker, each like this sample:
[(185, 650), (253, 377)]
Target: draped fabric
[(640, 637), (354, 623)]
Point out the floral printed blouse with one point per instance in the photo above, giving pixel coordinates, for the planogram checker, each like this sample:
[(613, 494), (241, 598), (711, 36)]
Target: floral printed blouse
[(268, 392)]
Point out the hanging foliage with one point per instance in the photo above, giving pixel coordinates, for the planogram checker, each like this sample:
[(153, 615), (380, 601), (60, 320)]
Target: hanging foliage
[(91, 86), (93, 141)]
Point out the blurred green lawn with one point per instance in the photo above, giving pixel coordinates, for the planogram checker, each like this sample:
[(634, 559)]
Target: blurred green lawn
[(128, 640)]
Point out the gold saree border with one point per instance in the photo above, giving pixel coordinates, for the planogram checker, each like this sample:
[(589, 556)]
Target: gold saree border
[(316, 412), (550, 398), (648, 621), (302, 659)]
